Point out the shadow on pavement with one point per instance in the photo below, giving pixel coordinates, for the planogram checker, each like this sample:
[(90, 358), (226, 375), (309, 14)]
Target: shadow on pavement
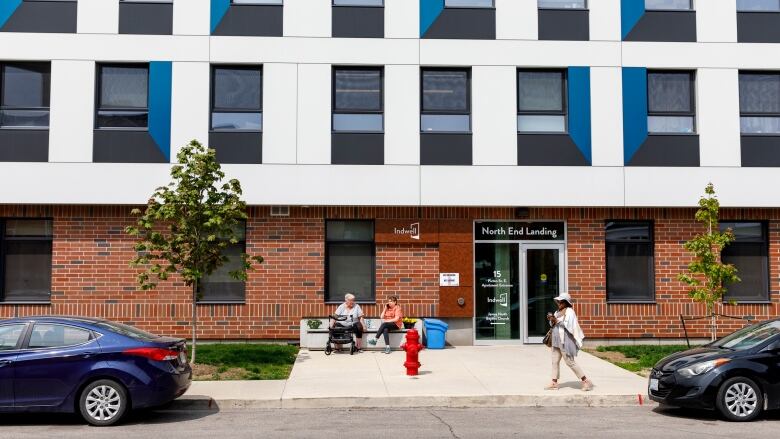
[(707, 415), (148, 416)]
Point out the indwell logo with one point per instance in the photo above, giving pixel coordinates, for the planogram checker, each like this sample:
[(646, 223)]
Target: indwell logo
[(501, 299), (413, 231)]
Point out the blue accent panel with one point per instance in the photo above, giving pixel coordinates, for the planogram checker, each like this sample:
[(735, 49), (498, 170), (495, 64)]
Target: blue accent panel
[(631, 11), (218, 10), (7, 9), (429, 12), (160, 83), (579, 109), (634, 110)]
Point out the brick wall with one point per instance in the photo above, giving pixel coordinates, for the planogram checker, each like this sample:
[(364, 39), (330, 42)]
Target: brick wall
[(91, 275)]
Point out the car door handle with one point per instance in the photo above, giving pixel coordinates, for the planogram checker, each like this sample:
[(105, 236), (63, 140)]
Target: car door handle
[(5, 362), (87, 354)]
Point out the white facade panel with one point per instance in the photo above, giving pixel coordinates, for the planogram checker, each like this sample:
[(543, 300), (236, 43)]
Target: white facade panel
[(694, 55), (280, 106), (517, 20), (97, 17), (606, 104), (604, 20), (191, 17), (718, 117), (402, 19), (521, 186), (494, 115), (71, 118), (190, 105), (307, 18), (314, 128), (402, 115), (716, 21), (519, 53)]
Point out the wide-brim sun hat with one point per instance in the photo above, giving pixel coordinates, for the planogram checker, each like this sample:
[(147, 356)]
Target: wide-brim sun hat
[(562, 297)]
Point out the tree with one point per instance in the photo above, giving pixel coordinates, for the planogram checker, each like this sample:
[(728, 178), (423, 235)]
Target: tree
[(187, 224), (707, 275)]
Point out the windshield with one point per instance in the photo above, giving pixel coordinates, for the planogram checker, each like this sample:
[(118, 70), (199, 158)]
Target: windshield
[(128, 331), (749, 337)]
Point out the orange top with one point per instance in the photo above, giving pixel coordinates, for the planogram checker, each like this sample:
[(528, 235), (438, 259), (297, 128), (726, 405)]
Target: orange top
[(394, 315)]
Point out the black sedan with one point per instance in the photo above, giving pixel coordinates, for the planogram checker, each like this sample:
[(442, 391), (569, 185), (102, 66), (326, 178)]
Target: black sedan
[(738, 375)]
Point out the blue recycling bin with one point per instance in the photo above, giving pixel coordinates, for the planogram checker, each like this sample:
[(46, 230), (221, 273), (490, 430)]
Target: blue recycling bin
[(435, 333)]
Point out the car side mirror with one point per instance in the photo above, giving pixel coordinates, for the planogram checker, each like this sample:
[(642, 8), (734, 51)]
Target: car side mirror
[(773, 347)]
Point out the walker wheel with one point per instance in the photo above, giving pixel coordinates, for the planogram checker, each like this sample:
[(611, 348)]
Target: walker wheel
[(352, 349), (328, 349)]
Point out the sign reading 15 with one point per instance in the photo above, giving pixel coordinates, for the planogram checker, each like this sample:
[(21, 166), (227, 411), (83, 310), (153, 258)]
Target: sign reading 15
[(497, 274)]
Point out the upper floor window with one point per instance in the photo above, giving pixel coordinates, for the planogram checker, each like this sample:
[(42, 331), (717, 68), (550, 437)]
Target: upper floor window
[(562, 4), (468, 3), (378, 3), (25, 260), (669, 5), (123, 91), (258, 2), (670, 102), (24, 95), (749, 253), (357, 99), (758, 5), (759, 103), (446, 105), (541, 101), (237, 98), (630, 261)]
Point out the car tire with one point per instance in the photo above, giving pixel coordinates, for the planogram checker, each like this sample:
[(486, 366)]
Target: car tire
[(103, 402), (740, 399)]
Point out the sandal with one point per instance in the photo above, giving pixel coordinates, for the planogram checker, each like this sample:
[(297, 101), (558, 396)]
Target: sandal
[(552, 386), (587, 386)]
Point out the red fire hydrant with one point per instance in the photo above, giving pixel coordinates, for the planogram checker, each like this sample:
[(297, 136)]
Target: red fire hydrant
[(412, 348)]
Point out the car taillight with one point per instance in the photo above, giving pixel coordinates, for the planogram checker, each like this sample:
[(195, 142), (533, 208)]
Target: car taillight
[(156, 354)]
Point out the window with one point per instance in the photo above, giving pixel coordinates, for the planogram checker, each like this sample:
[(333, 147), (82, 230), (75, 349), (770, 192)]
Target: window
[(349, 260), (758, 5), (378, 3), (468, 3), (445, 101), (46, 335), (759, 103), (258, 2), (668, 5), (670, 107), (25, 260), (562, 4), (630, 261), (9, 336), (541, 101), (123, 96), (220, 286), (147, 1), (237, 98), (749, 252), (357, 99), (24, 95)]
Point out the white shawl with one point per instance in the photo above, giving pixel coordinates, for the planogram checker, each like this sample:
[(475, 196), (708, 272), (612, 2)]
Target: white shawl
[(570, 322)]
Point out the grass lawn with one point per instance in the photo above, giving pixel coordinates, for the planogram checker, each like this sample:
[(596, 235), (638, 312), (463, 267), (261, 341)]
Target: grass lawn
[(243, 361), (637, 358)]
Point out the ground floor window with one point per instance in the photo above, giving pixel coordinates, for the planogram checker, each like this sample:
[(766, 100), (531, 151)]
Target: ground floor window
[(220, 286), (630, 261), (25, 260), (350, 260), (749, 253)]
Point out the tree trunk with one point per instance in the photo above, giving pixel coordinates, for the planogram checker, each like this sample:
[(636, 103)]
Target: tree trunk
[(194, 318)]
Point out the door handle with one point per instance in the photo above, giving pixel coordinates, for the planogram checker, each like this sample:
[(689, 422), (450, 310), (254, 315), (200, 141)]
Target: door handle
[(87, 354), (5, 362)]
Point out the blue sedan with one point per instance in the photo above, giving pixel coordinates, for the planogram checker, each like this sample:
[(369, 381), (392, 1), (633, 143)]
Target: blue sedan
[(94, 367)]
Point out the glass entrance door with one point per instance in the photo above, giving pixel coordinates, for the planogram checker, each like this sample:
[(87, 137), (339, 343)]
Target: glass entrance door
[(542, 281), (497, 293)]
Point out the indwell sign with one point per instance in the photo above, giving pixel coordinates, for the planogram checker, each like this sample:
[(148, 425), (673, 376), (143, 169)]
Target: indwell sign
[(519, 231), (406, 231)]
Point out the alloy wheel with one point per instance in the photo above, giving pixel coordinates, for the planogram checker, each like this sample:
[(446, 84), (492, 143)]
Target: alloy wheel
[(741, 399), (103, 403)]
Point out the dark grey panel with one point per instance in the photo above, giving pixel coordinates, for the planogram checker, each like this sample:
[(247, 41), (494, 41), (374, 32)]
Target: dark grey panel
[(445, 149), (758, 27), (251, 21), (665, 26), (562, 24), (548, 150), (358, 22), (24, 145), (464, 23), (667, 150), (237, 146), (357, 149), (43, 17), (760, 151), (120, 146), (146, 18)]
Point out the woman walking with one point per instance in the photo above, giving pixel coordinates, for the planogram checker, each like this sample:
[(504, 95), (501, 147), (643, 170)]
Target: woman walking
[(392, 319), (567, 339)]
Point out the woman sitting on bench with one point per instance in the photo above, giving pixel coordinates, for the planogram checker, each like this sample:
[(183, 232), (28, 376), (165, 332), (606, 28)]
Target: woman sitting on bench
[(392, 319)]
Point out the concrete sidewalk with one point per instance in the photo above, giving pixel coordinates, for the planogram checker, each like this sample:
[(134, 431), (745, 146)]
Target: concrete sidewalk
[(495, 376)]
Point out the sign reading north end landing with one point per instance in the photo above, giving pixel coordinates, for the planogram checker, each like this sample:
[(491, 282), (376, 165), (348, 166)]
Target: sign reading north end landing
[(519, 231)]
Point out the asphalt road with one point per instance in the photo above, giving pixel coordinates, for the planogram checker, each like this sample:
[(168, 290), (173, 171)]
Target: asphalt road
[(552, 422)]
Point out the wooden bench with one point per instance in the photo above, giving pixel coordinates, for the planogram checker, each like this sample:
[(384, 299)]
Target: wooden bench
[(315, 339)]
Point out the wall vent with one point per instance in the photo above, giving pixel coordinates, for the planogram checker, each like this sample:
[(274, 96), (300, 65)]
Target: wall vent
[(280, 210)]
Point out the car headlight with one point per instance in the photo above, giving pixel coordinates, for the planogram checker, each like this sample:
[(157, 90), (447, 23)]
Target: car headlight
[(702, 368)]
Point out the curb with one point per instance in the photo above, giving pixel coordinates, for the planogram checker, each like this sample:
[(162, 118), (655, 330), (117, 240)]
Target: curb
[(190, 403)]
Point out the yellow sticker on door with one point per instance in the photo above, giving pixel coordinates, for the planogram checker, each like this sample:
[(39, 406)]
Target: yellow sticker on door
[(543, 277)]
